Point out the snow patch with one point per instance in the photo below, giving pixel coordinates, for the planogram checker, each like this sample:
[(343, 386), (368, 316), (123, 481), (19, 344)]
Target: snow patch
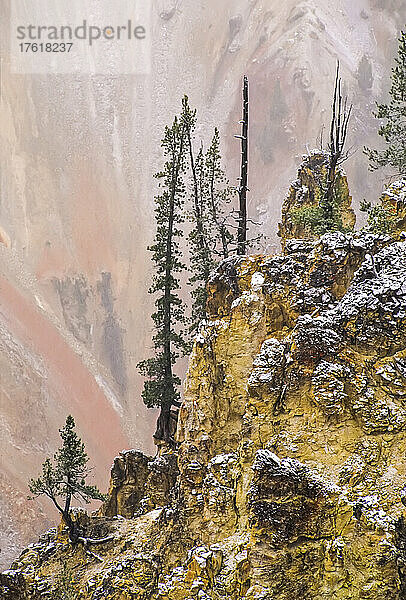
[(245, 298), (257, 281)]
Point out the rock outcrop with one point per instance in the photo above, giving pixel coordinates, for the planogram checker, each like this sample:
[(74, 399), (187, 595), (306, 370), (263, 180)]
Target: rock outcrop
[(289, 479), (140, 483), (302, 213), (394, 201)]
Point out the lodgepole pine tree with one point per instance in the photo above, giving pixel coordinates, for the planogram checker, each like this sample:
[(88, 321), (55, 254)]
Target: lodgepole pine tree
[(219, 195), (161, 388), (394, 130), (64, 478), (210, 237), (201, 258)]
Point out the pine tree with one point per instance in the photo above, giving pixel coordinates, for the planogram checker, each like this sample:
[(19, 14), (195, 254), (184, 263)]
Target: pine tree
[(209, 238), (161, 389), (201, 256), (65, 477), (380, 218), (219, 195), (394, 130)]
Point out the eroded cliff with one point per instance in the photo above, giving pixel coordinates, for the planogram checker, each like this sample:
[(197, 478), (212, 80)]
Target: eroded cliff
[(78, 153), (289, 479)]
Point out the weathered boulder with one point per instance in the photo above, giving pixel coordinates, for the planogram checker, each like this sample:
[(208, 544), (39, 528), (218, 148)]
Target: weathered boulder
[(393, 200), (140, 483), (129, 474)]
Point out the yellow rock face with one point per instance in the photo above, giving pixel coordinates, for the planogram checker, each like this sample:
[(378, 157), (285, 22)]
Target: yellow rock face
[(394, 201), (291, 468)]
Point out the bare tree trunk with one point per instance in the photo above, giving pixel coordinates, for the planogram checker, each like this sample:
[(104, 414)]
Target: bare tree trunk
[(73, 533), (242, 190), (334, 143), (340, 117)]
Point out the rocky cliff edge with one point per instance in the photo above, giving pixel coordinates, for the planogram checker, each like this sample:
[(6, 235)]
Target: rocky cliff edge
[(289, 480)]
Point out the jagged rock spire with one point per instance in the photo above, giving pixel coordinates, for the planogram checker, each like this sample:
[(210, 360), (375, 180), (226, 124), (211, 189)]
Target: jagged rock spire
[(302, 210)]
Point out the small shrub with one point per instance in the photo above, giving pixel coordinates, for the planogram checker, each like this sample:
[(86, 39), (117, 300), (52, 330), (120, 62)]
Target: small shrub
[(380, 218)]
